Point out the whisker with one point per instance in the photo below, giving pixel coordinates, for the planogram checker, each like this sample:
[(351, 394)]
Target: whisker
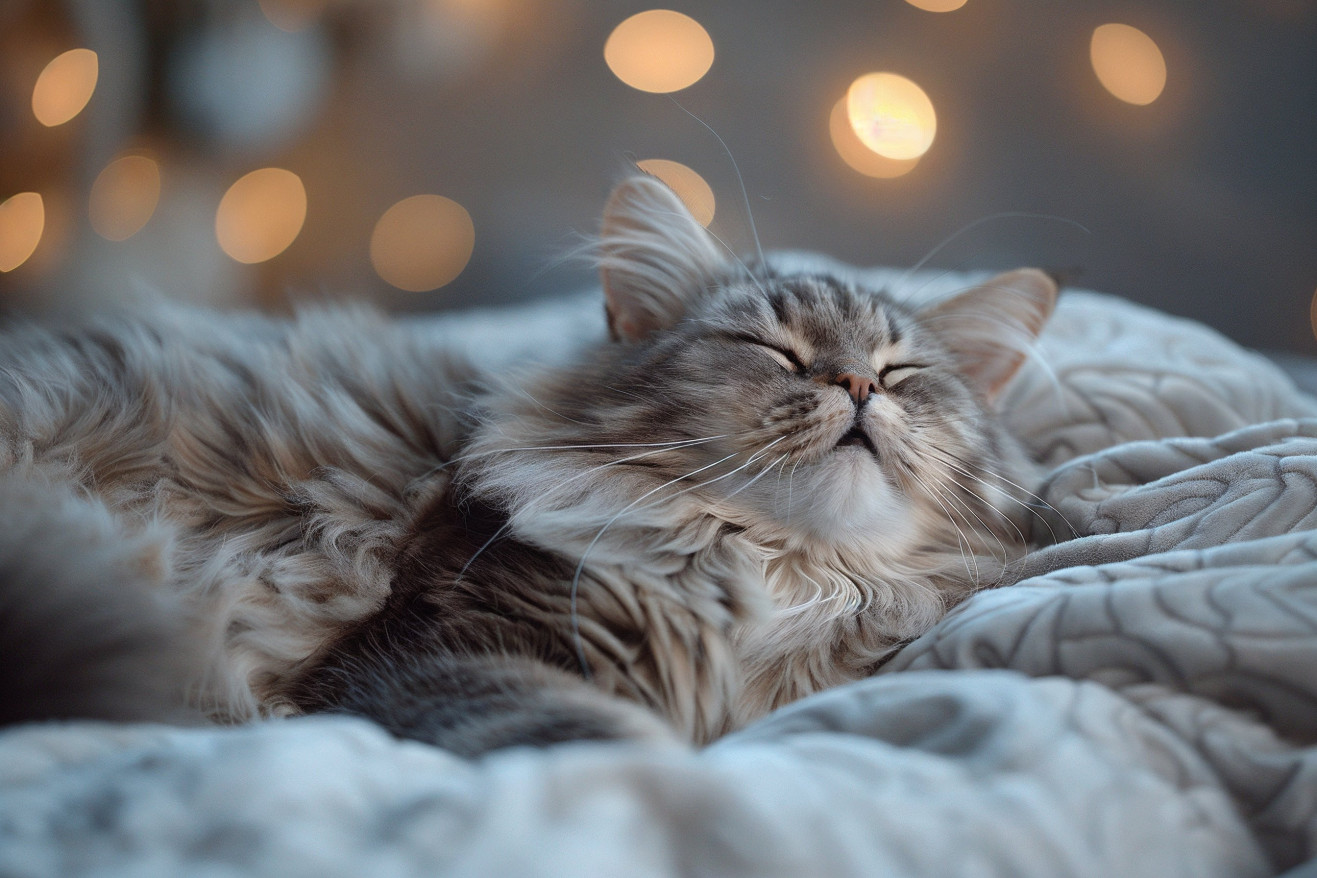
[(521, 391), (768, 469), (951, 460), (745, 196), (978, 222), (966, 507), (962, 540), (791, 483), (586, 446), (667, 446)]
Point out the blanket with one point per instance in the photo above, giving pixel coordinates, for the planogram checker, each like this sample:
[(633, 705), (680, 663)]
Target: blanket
[(1142, 701)]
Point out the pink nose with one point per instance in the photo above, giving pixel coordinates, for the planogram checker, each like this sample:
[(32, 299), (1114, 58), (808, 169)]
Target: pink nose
[(858, 388)]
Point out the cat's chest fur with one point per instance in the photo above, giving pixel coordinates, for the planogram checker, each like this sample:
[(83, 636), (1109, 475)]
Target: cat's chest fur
[(835, 616)]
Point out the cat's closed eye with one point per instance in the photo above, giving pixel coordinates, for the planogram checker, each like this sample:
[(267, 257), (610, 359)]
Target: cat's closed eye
[(893, 374), (785, 357)]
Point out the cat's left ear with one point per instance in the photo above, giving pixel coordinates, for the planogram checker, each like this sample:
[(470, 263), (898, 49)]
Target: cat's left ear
[(654, 257), (991, 327)]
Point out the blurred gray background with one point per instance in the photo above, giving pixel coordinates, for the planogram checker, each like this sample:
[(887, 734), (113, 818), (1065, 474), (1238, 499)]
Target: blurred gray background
[(1202, 203)]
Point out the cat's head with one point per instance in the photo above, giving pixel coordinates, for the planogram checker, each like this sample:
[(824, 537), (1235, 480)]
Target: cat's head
[(843, 415), (801, 408)]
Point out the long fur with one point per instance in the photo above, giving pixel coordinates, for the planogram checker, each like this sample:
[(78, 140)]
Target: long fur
[(761, 489)]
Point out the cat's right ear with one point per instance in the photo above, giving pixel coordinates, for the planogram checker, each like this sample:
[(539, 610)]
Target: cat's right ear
[(653, 257)]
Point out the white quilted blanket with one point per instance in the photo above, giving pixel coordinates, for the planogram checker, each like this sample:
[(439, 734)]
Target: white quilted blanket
[(1142, 702)]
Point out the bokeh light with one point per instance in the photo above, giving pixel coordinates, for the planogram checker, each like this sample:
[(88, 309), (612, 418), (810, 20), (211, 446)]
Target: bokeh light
[(937, 5), (690, 187), (1128, 63), (22, 220), (292, 15), (65, 86), (859, 156), (260, 215), (891, 115), (124, 197), (422, 243), (659, 51)]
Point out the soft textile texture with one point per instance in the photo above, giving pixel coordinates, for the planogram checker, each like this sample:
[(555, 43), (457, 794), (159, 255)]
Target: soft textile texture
[(1142, 702)]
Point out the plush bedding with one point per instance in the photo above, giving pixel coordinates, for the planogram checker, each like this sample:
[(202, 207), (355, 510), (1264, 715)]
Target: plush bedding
[(1143, 701)]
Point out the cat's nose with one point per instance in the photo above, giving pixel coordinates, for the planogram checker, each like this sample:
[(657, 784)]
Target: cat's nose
[(857, 386)]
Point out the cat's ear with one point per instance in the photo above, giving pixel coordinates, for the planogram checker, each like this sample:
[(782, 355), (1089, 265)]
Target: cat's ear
[(991, 327), (654, 257)]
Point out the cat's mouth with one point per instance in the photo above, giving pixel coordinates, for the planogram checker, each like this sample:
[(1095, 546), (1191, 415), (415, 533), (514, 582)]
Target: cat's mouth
[(857, 438)]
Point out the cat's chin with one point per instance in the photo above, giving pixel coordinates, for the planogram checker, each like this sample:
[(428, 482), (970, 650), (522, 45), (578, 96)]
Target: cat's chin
[(843, 499)]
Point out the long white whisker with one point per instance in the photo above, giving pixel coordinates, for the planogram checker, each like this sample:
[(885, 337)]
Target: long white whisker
[(932, 457), (978, 222), (745, 196), (964, 506), (952, 460), (585, 446), (521, 391), (966, 551), (666, 446), (768, 469), (791, 488)]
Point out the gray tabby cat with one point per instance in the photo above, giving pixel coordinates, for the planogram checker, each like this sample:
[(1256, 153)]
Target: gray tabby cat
[(761, 487)]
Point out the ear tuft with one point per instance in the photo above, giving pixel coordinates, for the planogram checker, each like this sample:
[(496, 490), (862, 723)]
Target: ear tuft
[(991, 327), (654, 257)]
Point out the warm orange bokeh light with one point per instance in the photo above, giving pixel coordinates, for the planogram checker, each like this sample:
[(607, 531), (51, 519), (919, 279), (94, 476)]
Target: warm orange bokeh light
[(659, 51), (65, 86), (859, 156), (22, 220), (124, 197), (260, 215), (1128, 63), (422, 243), (937, 5), (891, 115), (690, 187)]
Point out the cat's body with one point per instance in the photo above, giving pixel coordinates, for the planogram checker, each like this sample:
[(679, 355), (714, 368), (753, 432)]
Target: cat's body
[(760, 489)]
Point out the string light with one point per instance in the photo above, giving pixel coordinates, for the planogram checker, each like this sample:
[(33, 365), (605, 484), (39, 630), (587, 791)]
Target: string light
[(422, 243), (22, 221), (124, 197), (1128, 63), (690, 187), (859, 156), (891, 115), (260, 215), (64, 87), (659, 51), (937, 5)]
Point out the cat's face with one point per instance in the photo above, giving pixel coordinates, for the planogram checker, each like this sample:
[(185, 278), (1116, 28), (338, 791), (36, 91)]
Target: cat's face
[(828, 402), (813, 407)]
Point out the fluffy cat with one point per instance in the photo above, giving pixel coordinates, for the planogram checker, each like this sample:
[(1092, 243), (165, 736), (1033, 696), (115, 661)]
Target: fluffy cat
[(762, 486)]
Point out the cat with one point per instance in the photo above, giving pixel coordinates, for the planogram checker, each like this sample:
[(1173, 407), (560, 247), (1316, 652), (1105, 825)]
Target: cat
[(762, 485)]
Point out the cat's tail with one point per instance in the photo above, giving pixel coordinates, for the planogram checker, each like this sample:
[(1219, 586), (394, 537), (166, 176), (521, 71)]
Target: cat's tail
[(87, 630)]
